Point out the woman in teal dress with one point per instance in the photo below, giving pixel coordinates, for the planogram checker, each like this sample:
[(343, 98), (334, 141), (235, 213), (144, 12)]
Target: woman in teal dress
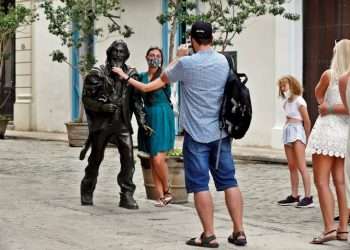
[(160, 117)]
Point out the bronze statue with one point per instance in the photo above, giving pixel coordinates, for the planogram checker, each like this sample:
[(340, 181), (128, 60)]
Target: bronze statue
[(109, 104)]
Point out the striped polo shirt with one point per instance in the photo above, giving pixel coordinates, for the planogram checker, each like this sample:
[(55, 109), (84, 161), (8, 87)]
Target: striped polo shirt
[(203, 77)]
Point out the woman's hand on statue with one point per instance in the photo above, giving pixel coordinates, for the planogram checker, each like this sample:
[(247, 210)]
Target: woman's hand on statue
[(120, 72)]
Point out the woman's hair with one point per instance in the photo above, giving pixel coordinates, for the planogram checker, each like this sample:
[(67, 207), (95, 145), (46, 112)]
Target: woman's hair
[(159, 70), (341, 58), (294, 85)]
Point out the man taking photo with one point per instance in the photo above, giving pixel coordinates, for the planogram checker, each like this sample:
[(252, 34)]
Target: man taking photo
[(203, 77)]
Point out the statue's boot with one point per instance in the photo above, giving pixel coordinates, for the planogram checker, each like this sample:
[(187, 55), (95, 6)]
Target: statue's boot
[(127, 201), (87, 188)]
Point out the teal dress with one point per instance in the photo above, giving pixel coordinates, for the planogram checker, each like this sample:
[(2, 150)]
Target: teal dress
[(160, 117)]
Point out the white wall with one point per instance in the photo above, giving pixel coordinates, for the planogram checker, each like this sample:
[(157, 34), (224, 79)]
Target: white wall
[(256, 57), (48, 102), (141, 16), (51, 86), (268, 48)]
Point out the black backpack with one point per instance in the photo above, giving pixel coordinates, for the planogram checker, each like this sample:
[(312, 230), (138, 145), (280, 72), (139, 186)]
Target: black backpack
[(236, 109)]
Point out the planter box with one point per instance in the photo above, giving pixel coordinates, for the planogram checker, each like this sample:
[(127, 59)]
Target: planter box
[(77, 133), (3, 126), (176, 178)]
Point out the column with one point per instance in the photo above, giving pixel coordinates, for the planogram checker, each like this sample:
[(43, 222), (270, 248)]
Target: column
[(23, 104)]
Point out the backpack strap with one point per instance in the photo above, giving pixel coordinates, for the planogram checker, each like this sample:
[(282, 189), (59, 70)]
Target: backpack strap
[(168, 97), (221, 123)]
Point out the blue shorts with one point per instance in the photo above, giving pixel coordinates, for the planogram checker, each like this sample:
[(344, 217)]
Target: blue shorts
[(199, 158)]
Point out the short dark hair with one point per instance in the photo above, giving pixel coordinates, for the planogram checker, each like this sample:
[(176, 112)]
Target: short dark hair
[(202, 41)]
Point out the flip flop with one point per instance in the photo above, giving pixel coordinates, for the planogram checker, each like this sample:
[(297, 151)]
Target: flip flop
[(205, 242), (324, 237), (342, 238)]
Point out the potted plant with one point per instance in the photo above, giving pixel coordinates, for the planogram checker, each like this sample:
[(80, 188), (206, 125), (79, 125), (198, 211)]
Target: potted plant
[(11, 18), (176, 176), (75, 24)]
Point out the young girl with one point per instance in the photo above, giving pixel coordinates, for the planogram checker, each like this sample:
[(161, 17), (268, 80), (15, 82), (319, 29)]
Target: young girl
[(295, 135)]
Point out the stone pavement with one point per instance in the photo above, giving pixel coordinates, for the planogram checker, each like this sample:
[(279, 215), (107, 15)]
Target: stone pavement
[(40, 207)]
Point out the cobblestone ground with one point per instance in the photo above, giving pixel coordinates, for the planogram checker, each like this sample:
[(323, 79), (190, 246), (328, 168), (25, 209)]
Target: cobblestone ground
[(49, 172)]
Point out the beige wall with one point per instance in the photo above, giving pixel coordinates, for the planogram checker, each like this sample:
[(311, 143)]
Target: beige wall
[(51, 82), (43, 87), (141, 16)]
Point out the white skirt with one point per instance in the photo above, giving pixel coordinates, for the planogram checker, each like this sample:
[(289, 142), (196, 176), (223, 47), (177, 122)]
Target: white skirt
[(329, 136)]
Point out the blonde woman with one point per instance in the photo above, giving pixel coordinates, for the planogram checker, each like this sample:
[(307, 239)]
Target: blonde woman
[(327, 144)]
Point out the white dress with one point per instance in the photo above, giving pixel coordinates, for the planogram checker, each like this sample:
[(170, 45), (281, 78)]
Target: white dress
[(329, 136)]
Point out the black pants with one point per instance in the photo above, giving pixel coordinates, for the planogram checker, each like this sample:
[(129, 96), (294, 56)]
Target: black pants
[(121, 136)]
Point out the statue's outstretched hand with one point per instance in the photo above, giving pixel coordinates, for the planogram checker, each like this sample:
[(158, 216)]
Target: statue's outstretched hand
[(148, 130), (120, 72), (109, 107)]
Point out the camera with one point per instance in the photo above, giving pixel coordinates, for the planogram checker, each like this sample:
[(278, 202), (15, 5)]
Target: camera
[(190, 49)]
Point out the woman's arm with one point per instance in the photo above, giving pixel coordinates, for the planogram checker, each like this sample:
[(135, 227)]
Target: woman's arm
[(322, 86), (306, 120), (343, 82), (154, 85)]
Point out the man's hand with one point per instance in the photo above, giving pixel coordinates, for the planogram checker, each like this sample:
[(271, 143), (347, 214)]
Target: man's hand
[(182, 50), (109, 107), (120, 72), (148, 130)]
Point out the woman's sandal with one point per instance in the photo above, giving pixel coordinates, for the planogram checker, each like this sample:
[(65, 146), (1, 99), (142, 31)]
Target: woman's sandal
[(160, 202), (238, 238), (324, 237), (342, 238), (205, 241), (168, 197)]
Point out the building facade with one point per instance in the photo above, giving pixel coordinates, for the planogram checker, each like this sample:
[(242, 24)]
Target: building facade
[(268, 48)]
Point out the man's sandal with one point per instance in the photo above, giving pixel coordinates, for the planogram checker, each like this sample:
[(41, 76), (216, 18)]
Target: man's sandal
[(204, 241), (324, 237), (342, 238), (238, 238)]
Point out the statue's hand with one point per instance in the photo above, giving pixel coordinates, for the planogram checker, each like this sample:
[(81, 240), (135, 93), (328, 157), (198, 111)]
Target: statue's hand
[(148, 130), (109, 107), (120, 72)]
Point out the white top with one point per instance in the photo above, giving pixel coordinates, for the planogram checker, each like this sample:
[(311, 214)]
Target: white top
[(292, 107)]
